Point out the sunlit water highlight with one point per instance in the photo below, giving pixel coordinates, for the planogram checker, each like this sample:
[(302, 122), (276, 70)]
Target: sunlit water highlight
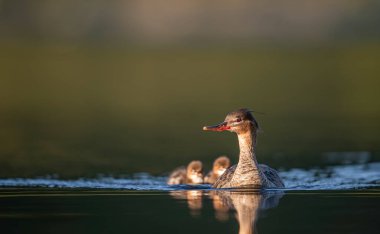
[(330, 178)]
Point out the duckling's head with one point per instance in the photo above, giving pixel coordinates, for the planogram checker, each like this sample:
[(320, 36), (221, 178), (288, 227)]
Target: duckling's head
[(239, 121), (220, 165), (195, 172)]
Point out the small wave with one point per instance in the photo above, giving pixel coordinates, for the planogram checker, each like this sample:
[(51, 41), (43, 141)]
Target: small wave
[(141, 181), (330, 178)]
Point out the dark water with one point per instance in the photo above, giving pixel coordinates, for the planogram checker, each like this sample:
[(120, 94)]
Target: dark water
[(192, 211), (340, 199)]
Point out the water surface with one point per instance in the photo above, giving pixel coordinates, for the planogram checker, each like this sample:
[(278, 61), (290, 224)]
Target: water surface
[(340, 199), (192, 211), (330, 178)]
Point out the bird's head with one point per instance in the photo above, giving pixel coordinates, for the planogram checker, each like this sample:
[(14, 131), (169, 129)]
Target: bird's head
[(239, 121)]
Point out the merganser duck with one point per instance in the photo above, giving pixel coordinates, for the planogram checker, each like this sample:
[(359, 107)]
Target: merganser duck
[(247, 173), (193, 174), (221, 164)]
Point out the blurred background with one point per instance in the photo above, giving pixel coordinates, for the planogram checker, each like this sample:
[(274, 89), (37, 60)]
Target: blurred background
[(118, 87)]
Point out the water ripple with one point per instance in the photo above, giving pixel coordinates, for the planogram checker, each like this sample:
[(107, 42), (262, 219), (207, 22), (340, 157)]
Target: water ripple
[(330, 178), (337, 177)]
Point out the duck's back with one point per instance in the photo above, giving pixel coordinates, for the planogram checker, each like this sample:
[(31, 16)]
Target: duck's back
[(271, 175)]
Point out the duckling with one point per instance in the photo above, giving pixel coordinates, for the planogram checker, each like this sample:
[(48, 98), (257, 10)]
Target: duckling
[(193, 174), (219, 167)]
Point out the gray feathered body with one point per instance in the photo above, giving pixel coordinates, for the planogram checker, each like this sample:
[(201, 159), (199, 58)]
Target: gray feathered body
[(269, 178)]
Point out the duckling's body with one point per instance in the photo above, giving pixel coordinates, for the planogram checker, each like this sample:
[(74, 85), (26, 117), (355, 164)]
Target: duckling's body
[(192, 174), (178, 176), (247, 173), (221, 164)]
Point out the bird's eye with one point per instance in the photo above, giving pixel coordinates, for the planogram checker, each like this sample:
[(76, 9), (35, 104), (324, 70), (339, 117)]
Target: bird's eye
[(238, 120)]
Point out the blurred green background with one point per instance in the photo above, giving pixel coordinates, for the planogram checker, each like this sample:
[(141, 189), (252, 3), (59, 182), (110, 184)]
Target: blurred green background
[(118, 87)]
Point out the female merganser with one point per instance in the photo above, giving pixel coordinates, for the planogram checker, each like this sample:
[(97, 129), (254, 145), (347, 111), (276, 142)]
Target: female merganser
[(247, 173), (221, 164), (193, 174)]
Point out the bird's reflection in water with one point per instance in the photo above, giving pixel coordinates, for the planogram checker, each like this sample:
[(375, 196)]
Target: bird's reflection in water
[(220, 207), (248, 204), (193, 198)]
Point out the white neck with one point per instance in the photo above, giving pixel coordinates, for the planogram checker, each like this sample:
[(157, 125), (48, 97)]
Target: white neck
[(247, 171), (247, 145)]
